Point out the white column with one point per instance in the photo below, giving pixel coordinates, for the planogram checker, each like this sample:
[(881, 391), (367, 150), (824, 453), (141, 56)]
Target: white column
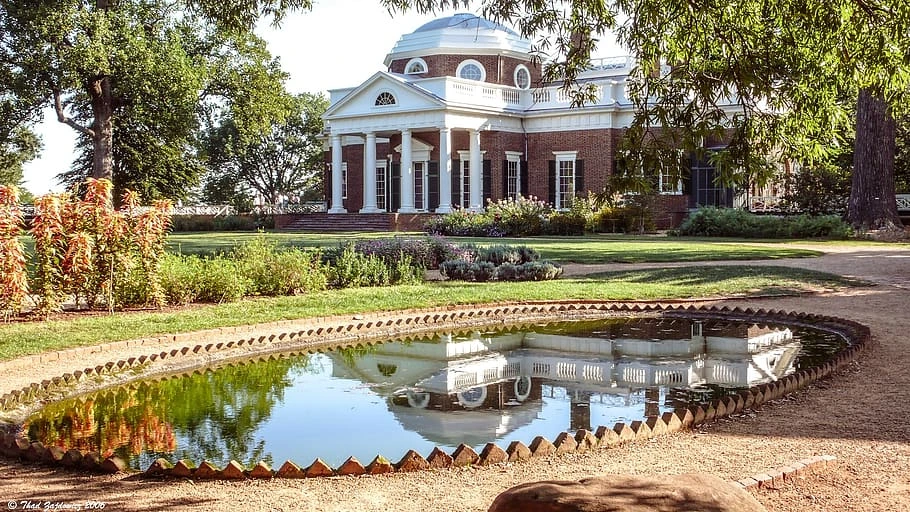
[(407, 174), (445, 171), (369, 174), (337, 202), (476, 172)]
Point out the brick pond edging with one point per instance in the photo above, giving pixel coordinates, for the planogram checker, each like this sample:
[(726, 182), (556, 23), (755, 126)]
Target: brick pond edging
[(312, 335)]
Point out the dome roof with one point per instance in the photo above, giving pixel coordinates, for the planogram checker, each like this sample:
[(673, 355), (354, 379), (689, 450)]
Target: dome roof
[(463, 33), (464, 20)]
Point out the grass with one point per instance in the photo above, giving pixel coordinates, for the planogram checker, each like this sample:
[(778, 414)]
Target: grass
[(589, 249), (20, 339)]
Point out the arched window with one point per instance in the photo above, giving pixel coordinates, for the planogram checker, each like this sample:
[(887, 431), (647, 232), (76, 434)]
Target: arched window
[(385, 98), (415, 66), (522, 77), (471, 70)]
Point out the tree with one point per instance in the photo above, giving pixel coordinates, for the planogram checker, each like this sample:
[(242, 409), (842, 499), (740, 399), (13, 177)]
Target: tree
[(286, 160), (785, 64), (20, 146), (82, 56), (156, 151)]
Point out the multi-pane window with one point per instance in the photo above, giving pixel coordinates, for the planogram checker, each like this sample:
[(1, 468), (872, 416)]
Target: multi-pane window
[(381, 185), (471, 70), (668, 184), (419, 196), (465, 184), (522, 77), (513, 175), (565, 180), (384, 99), (344, 180)]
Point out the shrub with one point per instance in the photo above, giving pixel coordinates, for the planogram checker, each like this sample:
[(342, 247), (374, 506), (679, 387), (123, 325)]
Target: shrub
[(522, 216), (178, 278), (13, 275), (538, 271), (463, 223), (501, 254), (189, 223), (237, 223), (353, 269), (220, 280), (86, 249), (460, 270), (566, 223), (735, 222), (425, 252), (272, 271)]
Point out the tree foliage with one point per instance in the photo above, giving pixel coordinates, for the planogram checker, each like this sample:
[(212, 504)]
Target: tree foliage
[(762, 77), (285, 160), (140, 67)]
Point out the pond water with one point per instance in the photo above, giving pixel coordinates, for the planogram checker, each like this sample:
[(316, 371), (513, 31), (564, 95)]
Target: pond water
[(448, 389)]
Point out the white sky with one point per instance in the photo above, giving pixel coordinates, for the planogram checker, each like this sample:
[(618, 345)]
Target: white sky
[(340, 43)]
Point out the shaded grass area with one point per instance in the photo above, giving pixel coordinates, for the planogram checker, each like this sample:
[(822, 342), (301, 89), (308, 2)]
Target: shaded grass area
[(19, 339), (588, 249)]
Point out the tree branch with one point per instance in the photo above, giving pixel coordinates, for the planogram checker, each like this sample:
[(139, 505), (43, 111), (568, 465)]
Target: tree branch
[(63, 118)]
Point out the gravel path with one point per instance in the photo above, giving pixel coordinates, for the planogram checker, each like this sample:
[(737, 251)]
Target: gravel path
[(859, 417)]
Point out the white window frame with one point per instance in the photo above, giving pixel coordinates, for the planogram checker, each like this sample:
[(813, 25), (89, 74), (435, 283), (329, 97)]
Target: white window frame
[(416, 60), (420, 178), (464, 181), (564, 157), (467, 62), (344, 180), (513, 157), (388, 105), (382, 185), (519, 68)]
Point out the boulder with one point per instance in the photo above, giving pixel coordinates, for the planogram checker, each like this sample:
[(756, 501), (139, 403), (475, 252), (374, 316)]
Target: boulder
[(628, 493)]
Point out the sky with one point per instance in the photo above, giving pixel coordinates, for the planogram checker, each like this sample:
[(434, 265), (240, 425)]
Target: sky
[(339, 43)]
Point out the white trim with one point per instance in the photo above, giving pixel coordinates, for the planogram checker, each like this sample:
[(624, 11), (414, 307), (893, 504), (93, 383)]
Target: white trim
[(468, 62), (518, 68), (564, 156), (513, 157), (416, 60)]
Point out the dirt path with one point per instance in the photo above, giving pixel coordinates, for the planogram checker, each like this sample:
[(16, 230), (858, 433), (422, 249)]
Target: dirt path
[(860, 417)]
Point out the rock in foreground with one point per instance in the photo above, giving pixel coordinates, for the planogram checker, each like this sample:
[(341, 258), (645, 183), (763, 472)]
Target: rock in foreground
[(628, 493)]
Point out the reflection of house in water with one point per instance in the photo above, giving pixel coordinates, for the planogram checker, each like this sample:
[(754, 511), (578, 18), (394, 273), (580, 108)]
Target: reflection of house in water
[(455, 388)]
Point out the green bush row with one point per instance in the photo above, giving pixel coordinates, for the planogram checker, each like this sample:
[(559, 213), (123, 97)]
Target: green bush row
[(734, 222), (260, 267)]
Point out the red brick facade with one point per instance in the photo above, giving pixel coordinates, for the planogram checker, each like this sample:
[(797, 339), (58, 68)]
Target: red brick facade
[(499, 69), (596, 148)]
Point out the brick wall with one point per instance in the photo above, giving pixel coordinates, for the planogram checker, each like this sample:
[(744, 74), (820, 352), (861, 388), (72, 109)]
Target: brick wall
[(596, 147), (500, 70)]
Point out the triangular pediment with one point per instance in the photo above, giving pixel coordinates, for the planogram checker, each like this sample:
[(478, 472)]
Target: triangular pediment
[(372, 98)]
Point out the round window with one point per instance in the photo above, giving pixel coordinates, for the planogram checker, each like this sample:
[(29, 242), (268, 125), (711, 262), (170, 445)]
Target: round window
[(522, 78)]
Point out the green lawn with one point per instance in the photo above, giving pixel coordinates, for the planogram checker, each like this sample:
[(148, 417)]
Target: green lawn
[(588, 249), (19, 339)]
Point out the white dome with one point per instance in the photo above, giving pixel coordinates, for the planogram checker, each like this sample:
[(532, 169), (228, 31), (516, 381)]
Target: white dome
[(462, 33)]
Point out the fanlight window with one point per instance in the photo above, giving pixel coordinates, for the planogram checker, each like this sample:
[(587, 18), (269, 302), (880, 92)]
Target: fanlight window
[(385, 98), (416, 67)]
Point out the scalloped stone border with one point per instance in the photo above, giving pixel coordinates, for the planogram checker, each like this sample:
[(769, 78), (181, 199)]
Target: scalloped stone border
[(314, 334)]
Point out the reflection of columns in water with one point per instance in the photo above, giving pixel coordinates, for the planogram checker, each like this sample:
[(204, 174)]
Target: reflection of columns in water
[(652, 402), (580, 412)]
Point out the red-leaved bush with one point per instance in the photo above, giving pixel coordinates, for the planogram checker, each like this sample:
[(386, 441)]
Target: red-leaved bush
[(88, 251), (13, 275)]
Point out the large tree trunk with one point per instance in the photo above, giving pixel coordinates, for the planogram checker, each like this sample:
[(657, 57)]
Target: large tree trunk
[(872, 201), (99, 89)]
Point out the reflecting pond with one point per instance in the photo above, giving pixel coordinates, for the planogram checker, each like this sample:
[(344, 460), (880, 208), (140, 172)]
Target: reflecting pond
[(467, 387)]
